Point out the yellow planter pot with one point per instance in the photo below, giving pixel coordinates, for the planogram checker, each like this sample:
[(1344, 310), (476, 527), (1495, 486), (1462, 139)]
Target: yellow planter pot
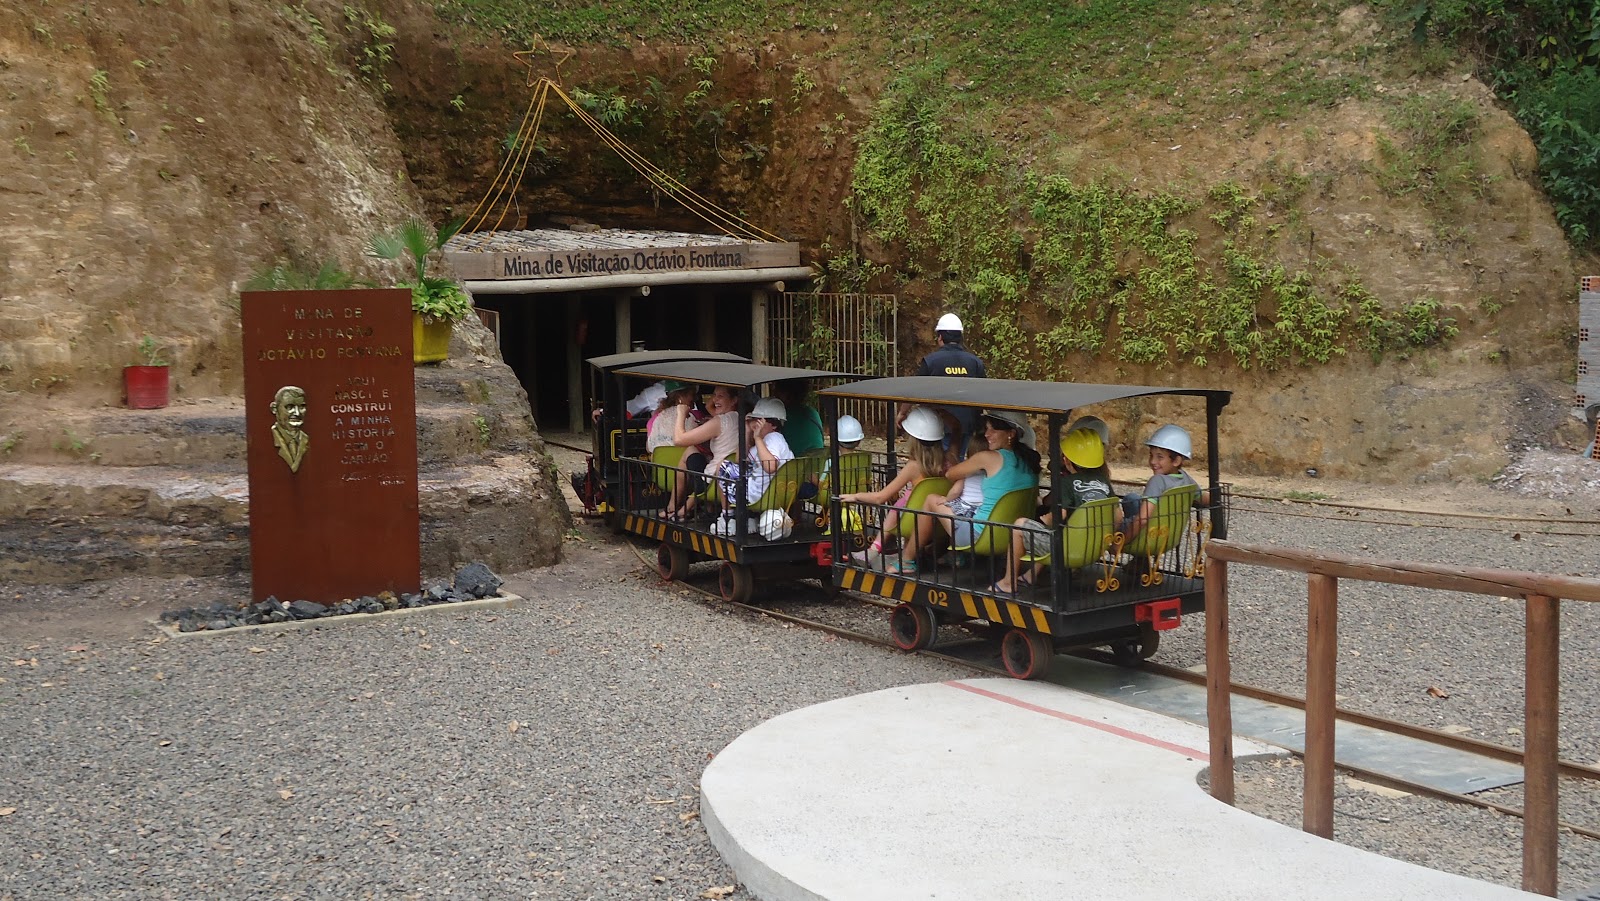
[(430, 340)]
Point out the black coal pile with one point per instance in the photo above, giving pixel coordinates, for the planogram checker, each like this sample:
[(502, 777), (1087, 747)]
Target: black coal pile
[(472, 582)]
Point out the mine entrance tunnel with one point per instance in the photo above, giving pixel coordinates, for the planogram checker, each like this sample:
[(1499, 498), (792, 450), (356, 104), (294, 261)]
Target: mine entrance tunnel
[(545, 338), (562, 296)]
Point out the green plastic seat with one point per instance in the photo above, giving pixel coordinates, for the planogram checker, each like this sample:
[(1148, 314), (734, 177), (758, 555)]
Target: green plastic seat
[(855, 477), (664, 460), (1086, 535), (919, 495), (1165, 528), (785, 485), (995, 540)]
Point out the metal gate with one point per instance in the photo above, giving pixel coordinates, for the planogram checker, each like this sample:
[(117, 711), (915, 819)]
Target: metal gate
[(843, 332)]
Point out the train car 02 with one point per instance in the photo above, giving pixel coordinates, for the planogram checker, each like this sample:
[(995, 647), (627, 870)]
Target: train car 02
[(1079, 568)]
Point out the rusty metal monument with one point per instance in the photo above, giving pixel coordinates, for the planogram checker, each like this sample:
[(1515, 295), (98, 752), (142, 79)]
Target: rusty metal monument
[(331, 422)]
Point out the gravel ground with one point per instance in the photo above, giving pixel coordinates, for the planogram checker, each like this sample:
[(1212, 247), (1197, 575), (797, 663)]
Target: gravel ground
[(553, 750)]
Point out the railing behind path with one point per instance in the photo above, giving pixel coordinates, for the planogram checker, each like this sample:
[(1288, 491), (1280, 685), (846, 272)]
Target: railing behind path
[(1543, 594)]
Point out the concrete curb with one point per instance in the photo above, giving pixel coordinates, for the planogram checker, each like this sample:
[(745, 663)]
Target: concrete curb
[(504, 601)]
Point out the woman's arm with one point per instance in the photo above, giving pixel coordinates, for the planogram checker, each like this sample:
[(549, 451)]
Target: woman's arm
[(908, 473), (988, 462), (683, 436)]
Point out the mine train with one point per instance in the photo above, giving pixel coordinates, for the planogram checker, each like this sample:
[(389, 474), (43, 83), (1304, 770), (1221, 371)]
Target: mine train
[(1093, 583)]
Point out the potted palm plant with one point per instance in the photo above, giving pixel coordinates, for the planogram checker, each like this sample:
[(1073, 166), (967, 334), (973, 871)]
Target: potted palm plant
[(146, 384), (437, 302)]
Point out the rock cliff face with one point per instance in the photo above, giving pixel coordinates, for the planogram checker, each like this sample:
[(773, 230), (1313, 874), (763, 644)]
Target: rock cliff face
[(157, 155)]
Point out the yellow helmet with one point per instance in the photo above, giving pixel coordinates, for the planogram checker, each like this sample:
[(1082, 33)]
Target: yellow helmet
[(1083, 448)]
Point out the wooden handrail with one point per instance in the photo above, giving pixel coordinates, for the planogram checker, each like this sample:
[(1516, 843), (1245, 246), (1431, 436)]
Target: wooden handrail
[(1398, 572), (1541, 711)]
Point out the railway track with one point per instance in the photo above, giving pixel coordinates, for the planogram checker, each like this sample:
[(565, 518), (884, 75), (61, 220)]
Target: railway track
[(969, 653)]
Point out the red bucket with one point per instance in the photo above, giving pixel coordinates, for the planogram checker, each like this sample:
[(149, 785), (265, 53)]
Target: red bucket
[(146, 386)]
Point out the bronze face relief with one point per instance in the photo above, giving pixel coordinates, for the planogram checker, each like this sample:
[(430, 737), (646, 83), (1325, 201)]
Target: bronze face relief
[(289, 412)]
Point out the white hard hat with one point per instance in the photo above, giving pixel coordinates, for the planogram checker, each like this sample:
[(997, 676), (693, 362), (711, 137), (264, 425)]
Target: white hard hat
[(848, 428), (769, 408), (1015, 420), (775, 525), (1094, 424), (923, 424), (1172, 438), (949, 322)]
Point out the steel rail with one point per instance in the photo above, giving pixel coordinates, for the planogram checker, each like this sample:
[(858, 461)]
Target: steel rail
[(1500, 752)]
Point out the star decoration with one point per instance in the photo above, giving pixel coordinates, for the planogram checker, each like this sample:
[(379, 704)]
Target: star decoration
[(542, 47)]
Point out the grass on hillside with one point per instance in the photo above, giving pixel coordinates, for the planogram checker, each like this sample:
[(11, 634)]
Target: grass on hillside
[(1150, 61)]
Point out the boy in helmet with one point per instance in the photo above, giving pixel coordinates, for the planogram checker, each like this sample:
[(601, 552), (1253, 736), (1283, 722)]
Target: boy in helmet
[(1170, 449), (767, 451)]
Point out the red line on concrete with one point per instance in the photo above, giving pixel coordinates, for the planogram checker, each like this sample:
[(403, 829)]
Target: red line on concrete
[(1118, 731)]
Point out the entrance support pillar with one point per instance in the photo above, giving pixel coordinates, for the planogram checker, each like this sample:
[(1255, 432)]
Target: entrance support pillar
[(575, 410), (705, 305), (759, 352), (622, 305)]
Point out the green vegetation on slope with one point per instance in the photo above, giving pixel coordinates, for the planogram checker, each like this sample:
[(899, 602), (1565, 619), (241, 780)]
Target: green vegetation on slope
[(1051, 267)]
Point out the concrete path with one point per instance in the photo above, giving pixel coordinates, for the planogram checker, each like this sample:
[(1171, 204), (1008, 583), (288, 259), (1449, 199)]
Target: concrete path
[(998, 789)]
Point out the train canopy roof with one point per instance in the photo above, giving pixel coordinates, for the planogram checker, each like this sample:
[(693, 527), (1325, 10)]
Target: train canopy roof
[(1008, 394), (733, 375), (647, 357)]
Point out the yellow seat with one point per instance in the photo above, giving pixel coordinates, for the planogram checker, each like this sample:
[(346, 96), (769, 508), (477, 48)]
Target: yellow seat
[(995, 540), (1086, 535)]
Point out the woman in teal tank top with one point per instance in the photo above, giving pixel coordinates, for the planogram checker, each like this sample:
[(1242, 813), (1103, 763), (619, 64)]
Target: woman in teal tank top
[(1010, 464)]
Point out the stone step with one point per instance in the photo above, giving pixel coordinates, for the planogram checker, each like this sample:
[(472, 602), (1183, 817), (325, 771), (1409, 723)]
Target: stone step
[(212, 433), (66, 523)]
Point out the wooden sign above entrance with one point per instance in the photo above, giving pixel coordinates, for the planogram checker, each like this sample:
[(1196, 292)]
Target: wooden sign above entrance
[(553, 253), (331, 429)]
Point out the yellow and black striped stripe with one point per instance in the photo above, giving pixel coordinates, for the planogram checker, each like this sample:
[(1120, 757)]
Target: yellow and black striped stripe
[(974, 606), (699, 542)]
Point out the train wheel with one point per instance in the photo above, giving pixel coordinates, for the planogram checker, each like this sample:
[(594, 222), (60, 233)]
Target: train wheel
[(737, 582), (912, 627), (1026, 655), (1134, 651), (672, 562)]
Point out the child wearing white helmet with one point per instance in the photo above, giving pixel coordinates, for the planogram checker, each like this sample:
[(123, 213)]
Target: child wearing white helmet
[(925, 458), (1170, 449), (847, 432), (767, 451)]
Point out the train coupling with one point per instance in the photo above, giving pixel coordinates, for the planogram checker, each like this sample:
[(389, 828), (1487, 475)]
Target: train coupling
[(1161, 615)]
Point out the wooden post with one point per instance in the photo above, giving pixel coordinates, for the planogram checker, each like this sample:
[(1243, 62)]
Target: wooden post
[(1541, 792), (758, 326), (705, 305), (1322, 650), (577, 416), (1219, 679), (622, 306)]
